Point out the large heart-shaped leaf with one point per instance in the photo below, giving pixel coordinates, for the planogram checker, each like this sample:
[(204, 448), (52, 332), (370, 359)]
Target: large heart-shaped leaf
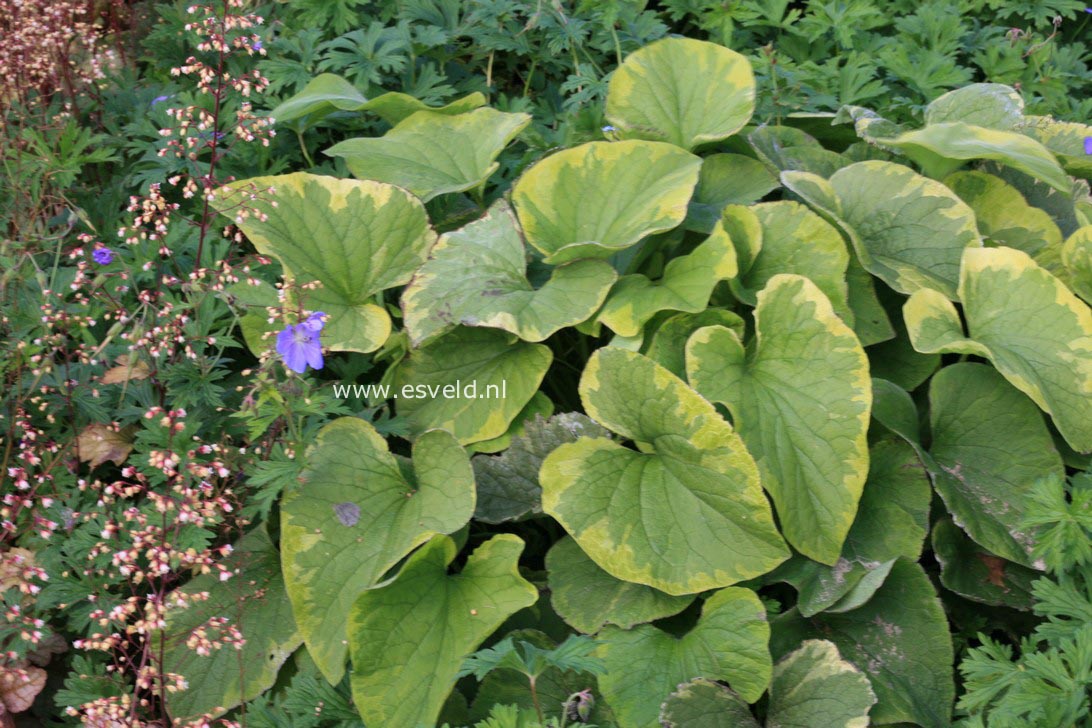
[(328, 92), (356, 511), (892, 521), (252, 601), (477, 276), (686, 284), (899, 639), (595, 199), (683, 514), (667, 346), (1077, 258), (990, 445), (814, 686), (1035, 331), (786, 237), (976, 574), (800, 395), (705, 703), (471, 382), (680, 90), (908, 230), (992, 105), (645, 664), (1006, 219), (784, 148), (726, 179), (352, 238), (431, 153), (1066, 139), (942, 148), (408, 637), (587, 597)]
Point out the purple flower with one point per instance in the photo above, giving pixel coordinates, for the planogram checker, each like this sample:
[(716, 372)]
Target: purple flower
[(256, 45), (1088, 145), (105, 256), (299, 345), (608, 129), (158, 99)]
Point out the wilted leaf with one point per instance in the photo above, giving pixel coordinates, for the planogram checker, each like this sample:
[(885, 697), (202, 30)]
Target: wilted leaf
[(99, 443)]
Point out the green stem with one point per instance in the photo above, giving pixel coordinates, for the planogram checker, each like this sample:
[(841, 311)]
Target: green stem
[(303, 148)]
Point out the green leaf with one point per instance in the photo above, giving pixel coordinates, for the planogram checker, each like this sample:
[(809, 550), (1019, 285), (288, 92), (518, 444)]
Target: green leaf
[(508, 486), (432, 154), (899, 639), (593, 200), (976, 574), (667, 346), (906, 229), (790, 239), (1034, 330), (408, 637), (991, 105), (328, 92), (488, 380), (587, 597), (645, 664), (800, 395), (726, 179), (814, 686), (1065, 139), (1006, 219), (1077, 258), (896, 359), (687, 283), (252, 601), (539, 404), (990, 445), (783, 148), (892, 521), (477, 276), (625, 508), (704, 703), (680, 90), (942, 148), (355, 239), (356, 512)]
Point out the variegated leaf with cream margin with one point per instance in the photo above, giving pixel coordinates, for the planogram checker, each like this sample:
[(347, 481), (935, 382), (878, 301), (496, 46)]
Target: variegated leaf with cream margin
[(432, 153), (1006, 219), (705, 703), (906, 229), (1066, 139), (355, 512), (1077, 258), (800, 395), (726, 179), (354, 238), (685, 511), (409, 636), (683, 91), (477, 276), (646, 664), (667, 346), (595, 199), (991, 105), (813, 686), (1035, 331), (686, 285), (787, 237), (490, 378), (328, 92)]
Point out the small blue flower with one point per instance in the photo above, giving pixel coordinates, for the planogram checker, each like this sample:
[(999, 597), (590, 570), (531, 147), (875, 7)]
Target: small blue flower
[(159, 99), (608, 129), (1088, 10), (299, 345), (256, 45), (103, 256), (1088, 145)]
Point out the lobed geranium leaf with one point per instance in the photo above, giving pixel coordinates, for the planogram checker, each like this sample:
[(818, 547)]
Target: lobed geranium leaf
[(686, 284), (726, 179), (1035, 331), (976, 574), (508, 486), (356, 512), (906, 229), (705, 703), (814, 686), (596, 199), (431, 154), (477, 276), (685, 513), (899, 639), (787, 237), (803, 365), (409, 636), (645, 665), (488, 380), (587, 597), (683, 91), (252, 601), (353, 238), (990, 446)]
